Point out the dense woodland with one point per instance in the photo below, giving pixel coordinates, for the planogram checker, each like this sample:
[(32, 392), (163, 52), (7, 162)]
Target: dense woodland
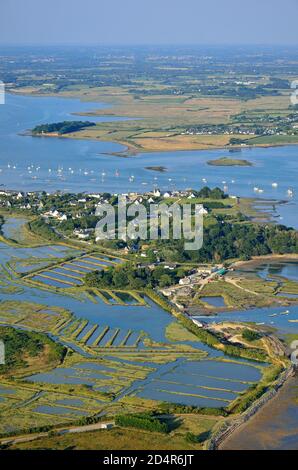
[(129, 275), (221, 242), (61, 128)]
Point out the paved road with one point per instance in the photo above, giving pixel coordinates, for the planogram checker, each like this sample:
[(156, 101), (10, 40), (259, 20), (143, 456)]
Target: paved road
[(77, 429)]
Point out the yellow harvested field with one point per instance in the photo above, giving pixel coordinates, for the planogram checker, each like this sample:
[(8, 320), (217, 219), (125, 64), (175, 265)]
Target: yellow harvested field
[(158, 121), (183, 142)]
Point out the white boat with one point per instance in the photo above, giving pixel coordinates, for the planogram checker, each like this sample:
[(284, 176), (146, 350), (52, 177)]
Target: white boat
[(285, 313), (274, 185), (290, 192)]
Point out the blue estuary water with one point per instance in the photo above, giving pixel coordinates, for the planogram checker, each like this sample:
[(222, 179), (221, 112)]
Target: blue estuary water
[(32, 163)]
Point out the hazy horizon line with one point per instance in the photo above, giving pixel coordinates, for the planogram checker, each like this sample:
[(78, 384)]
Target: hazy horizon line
[(97, 44)]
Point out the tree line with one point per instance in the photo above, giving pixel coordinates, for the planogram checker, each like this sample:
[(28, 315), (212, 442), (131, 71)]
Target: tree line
[(146, 421), (131, 276), (61, 128)]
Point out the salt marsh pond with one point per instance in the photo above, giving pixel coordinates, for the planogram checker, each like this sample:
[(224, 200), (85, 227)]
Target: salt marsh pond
[(121, 350), (109, 332)]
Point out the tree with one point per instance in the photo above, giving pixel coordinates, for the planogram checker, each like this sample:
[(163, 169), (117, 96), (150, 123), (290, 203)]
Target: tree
[(165, 280), (120, 279), (250, 335)]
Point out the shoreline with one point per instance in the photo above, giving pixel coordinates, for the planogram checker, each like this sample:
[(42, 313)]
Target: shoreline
[(132, 150), (241, 428), (237, 423), (271, 258)]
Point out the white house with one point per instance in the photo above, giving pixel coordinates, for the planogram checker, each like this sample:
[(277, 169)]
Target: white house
[(203, 211), (198, 323), (83, 234)]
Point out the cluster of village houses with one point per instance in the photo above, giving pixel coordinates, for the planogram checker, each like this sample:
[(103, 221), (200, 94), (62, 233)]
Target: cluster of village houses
[(82, 205)]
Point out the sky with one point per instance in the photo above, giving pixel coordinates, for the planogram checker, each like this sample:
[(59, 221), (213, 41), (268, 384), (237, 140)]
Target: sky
[(134, 22)]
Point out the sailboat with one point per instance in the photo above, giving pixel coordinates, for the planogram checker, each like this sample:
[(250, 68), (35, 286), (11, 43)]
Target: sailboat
[(286, 312)]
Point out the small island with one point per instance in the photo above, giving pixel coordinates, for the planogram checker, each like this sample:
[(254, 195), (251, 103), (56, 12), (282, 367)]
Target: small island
[(161, 169), (225, 161), (61, 128)]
